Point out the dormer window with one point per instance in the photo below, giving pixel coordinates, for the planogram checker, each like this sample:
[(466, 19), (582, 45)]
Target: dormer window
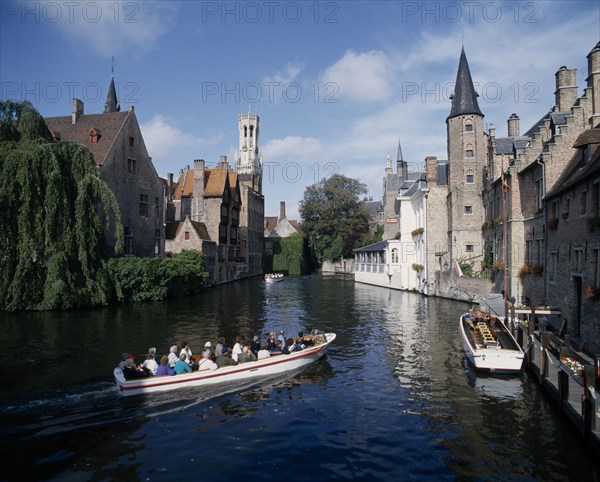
[(95, 135)]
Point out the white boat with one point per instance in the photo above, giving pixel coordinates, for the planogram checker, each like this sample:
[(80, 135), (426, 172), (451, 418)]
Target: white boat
[(266, 366), (273, 278), (489, 345)]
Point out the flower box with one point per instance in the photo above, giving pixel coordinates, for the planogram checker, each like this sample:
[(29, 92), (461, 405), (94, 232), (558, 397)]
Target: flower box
[(573, 368)]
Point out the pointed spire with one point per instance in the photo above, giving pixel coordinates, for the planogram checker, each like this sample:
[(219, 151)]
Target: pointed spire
[(399, 156), (111, 104), (464, 99)]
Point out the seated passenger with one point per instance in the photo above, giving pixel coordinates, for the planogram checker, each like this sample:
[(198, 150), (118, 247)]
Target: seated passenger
[(164, 368), (131, 371), (255, 345), (173, 356), (150, 362), (219, 347), (206, 363), (181, 366), (304, 341), (296, 346), (237, 348), (121, 364), (271, 345), (208, 346), (185, 350), (289, 343), (224, 359), (279, 348), (246, 355), (281, 338), (263, 352)]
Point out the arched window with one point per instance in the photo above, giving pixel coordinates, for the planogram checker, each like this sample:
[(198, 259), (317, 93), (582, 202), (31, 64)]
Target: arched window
[(469, 151)]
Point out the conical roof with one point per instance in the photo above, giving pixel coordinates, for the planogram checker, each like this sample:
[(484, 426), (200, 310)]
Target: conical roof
[(464, 99), (111, 104)]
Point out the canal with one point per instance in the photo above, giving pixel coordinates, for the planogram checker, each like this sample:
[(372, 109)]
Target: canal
[(393, 400)]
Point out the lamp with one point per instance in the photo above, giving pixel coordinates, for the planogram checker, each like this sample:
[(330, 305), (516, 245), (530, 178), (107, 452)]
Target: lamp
[(446, 265)]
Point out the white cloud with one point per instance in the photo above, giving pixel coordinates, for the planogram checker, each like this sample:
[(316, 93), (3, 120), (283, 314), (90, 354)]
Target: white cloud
[(169, 147), (294, 148), (289, 74), (112, 28), (362, 77)]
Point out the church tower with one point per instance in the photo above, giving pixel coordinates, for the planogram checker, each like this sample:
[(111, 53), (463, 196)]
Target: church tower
[(467, 152), (249, 167)]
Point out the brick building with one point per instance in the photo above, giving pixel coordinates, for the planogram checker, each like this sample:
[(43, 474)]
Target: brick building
[(115, 140)]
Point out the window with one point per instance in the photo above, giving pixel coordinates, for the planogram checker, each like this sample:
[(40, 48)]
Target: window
[(469, 248), (131, 167), (583, 203), (596, 199), (144, 205), (156, 207), (468, 126), (469, 152), (540, 251), (470, 177), (394, 255), (468, 209), (578, 260), (128, 238), (131, 142), (528, 250), (540, 193), (187, 235), (553, 266), (157, 242)]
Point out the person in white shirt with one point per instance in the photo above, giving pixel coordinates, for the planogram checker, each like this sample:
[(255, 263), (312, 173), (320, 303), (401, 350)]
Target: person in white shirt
[(185, 350), (263, 352), (173, 356), (206, 363), (150, 362), (237, 348)]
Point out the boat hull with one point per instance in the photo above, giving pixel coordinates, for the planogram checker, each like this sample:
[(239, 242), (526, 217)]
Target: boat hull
[(260, 368), (497, 359)]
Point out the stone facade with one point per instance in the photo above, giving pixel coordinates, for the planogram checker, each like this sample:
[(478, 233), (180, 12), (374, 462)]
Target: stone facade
[(115, 140)]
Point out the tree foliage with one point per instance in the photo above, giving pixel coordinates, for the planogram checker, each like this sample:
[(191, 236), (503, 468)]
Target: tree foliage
[(52, 249), (333, 218), (154, 279), (288, 255)]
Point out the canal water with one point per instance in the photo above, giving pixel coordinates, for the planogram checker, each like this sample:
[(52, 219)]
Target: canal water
[(393, 399)]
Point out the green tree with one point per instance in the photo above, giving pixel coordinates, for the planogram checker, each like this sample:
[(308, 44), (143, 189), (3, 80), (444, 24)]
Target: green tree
[(53, 252), (333, 218)]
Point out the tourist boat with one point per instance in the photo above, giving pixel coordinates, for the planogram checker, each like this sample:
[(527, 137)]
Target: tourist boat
[(489, 345), (273, 277), (264, 367)]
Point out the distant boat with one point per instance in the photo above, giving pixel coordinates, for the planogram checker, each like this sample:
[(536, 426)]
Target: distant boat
[(488, 344), (273, 277), (267, 366)]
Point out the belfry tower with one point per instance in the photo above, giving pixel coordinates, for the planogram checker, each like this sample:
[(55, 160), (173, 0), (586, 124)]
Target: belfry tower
[(249, 160), (467, 152)]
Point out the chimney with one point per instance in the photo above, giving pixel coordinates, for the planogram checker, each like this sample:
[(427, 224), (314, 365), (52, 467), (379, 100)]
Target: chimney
[(566, 88), (77, 110), (404, 170), (593, 83), (223, 162), (513, 125), (198, 193), (492, 131), (281, 210), (431, 170), (170, 185)]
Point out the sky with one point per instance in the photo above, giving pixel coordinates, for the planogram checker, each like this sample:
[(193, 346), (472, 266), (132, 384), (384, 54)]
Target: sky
[(337, 85)]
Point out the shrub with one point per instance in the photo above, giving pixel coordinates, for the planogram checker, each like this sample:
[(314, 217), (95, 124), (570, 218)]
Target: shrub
[(417, 267), (416, 232)]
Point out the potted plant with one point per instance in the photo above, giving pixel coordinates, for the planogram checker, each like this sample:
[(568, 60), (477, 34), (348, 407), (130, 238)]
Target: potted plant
[(417, 267), (417, 231), (592, 292)]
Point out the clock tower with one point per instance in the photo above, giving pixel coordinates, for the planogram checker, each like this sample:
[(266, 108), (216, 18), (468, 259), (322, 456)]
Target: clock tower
[(249, 160)]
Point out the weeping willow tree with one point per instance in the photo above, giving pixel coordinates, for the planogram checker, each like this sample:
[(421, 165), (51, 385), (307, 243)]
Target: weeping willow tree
[(53, 208)]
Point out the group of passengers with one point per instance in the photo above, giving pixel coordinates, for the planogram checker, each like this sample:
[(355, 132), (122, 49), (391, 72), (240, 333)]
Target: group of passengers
[(212, 358)]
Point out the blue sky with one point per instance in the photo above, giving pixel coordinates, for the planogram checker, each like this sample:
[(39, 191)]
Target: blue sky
[(336, 84)]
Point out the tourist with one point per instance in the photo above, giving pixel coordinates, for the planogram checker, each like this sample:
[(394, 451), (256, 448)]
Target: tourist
[(271, 345), (237, 348), (224, 359), (182, 366), (164, 368), (305, 341), (297, 345), (246, 355), (206, 363), (219, 347), (121, 364), (173, 356), (150, 362), (263, 352), (255, 345), (208, 346), (281, 337), (131, 371), (278, 349), (185, 350), (288, 344)]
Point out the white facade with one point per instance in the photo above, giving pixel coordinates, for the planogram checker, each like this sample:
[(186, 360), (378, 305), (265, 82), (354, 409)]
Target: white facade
[(399, 263), (249, 159)]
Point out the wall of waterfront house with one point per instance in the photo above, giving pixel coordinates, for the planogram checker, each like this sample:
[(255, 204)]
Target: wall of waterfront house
[(345, 266)]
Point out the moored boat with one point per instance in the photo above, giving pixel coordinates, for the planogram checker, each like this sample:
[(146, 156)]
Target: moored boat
[(267, 366), (488, 344)]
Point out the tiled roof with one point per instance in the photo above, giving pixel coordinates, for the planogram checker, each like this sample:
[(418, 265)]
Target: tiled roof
[(575, 173), (464, 99), (109, 125), (379, 246), (172, 229), (214, 183), (504, 145), (185, 184), (233, 175), (270, 222), (591, 136)]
